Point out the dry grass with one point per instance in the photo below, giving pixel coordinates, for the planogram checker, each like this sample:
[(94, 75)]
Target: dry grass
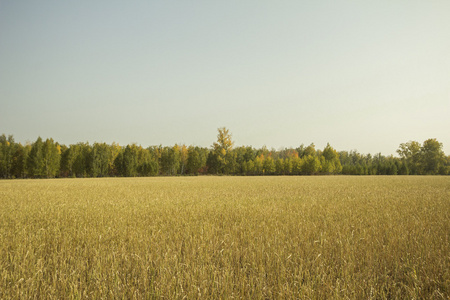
[(226, 237)]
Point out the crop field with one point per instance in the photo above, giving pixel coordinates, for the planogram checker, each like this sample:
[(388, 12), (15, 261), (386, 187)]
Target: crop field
[(323, 237)]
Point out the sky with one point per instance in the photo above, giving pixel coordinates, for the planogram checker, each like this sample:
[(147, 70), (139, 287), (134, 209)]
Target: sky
[(360, 75)]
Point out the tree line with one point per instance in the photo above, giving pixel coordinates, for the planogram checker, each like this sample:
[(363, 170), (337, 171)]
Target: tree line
[(49, 159)]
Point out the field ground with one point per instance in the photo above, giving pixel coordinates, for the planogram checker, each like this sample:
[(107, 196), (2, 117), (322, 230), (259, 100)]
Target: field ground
[(226, 237)]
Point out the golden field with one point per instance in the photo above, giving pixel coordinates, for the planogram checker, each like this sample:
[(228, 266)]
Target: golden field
[(323, 237)]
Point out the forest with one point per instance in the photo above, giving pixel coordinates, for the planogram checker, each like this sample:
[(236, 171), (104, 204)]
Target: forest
[(49, 159)]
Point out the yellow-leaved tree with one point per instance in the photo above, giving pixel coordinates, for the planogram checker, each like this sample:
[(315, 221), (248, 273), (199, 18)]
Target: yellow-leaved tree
[(222, 159)]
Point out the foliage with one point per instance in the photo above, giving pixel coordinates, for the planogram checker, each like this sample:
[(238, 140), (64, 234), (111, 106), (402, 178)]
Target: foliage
[(35, 162), (48, 159), (7, 150), (432, 156), (222, 158), (51, 156), (196, 159), (170, 160), (410, 154)]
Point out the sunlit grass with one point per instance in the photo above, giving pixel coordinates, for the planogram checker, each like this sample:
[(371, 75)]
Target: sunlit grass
[(226, 237)]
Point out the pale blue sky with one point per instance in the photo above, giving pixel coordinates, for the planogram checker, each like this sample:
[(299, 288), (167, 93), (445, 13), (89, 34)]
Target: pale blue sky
[(364, 75)]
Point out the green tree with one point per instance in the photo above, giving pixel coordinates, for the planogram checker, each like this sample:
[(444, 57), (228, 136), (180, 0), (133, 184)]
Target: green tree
[(392, 168), (170, 160), (114, 151), (402, 167), (222, 161), (51, 155), (81, 163), (297, 165), (230, 162), (268, 166), (258, 165), (35, 161), (7, 149), (130, 161), (119, 165), (19, 165), (183, 159), (310, 150), (147, 166), (332, 164), (410, 153), (311, 165), (445, 168), (100, 157), (250, 167), (279, 166), (432, 156), (288, 166), (243, 155), (194, 160), (72, 161)]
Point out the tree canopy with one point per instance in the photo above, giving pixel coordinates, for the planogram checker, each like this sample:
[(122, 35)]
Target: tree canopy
[(49, 159)]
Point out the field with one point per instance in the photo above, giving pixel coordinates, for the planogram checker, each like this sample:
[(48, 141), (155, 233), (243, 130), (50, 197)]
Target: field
[(322, 237)]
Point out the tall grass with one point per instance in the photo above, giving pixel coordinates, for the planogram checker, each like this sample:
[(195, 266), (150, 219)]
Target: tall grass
[(226, 237)]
